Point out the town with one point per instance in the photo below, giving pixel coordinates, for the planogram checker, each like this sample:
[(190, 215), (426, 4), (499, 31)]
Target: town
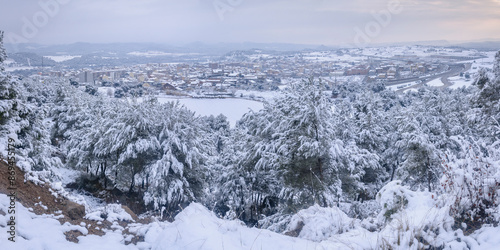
[(400, 68)]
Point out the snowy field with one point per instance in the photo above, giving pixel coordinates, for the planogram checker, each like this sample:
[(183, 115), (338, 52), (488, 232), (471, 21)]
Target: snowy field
[(232, 108), (400, 86), (11, 69), (159, 53), (435, 83), (459, 82), (267, 95), (62, 58)]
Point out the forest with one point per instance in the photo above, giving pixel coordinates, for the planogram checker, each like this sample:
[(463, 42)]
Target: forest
[(307, 147)]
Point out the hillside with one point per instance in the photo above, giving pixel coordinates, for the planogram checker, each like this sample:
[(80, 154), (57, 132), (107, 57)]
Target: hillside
[(352, 166)]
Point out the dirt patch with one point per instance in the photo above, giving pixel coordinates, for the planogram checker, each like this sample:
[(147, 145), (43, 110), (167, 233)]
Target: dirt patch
[(94, 186), (29, 194), (40, 199)]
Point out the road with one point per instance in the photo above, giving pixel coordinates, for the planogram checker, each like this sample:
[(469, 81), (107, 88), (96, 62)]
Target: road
[(454, 70), (447, 82)]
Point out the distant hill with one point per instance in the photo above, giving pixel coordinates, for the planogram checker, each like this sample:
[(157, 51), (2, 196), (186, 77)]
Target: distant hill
[(124, 48), (488, 45), (31, 59)]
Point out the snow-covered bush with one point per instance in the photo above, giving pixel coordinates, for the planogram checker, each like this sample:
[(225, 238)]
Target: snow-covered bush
[(320, 223), (393, 198), (412, 219), (473, 184), (111, 213)]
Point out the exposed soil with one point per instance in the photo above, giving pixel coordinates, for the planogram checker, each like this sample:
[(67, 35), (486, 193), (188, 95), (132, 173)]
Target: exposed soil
[(37, 197)]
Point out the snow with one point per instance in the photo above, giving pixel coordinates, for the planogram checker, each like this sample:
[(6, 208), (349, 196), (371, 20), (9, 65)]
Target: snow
[(158, 53), (232, 108), (112, 213), (8, 62), (412, 90), (435, 83), (11, 69), (44, 232), (198, 228), (266, 95), (65, 175), (62, 58), (330, 57), (194, 228), (106, 91), (403, 85), (320, 223), (459, 82)]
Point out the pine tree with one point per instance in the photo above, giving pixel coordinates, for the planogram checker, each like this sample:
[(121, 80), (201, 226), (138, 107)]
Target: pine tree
[(287, 159), (487, 98), (8, 91)]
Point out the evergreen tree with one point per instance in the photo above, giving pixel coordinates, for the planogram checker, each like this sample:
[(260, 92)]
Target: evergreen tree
[(287, 161), (487, 100), (8, 92)]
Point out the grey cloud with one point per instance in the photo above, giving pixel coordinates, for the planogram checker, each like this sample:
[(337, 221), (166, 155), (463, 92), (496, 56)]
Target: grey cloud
[(298, 21)]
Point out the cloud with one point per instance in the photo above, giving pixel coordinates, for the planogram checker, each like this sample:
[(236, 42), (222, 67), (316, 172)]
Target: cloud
[(297, 21)]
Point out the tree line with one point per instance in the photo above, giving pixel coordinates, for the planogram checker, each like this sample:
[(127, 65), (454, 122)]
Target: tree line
[(306, 146)]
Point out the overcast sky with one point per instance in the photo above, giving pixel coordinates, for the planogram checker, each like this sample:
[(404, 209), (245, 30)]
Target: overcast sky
[(328, 22)]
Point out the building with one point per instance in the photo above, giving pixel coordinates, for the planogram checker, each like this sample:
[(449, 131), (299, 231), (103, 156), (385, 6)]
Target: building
[(86, 77)]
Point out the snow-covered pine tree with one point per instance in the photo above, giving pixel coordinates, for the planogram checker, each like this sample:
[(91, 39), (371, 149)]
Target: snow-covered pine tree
[(471, 182), (370, 134), (419, 129), (487, 100), (13, 112), (130, 142), (177, 176), (8, 92), (288, 149)]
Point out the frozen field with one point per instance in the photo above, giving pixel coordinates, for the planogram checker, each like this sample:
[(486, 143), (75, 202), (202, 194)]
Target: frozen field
[(459, 82), (435, 83), (232, 108), (62, 58)]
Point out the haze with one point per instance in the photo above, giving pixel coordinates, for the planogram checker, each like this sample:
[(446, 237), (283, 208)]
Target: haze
[(211, 21)]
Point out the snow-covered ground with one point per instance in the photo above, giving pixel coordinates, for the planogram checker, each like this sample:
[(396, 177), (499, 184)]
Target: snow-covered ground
[(198, 228), (158, 53), (62, 58), (45, 232), (400, 86), (106, 91), (412, 89), (11, 69), (194, 228), (232, 108), (266, 95), (435, 83), (459, 82)]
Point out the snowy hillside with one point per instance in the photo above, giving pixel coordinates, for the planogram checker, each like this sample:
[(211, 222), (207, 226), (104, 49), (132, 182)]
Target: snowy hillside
[(198, 228), (349, 165)]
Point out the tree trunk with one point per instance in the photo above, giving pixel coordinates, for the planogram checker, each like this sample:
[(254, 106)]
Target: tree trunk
[(394, 170), (103, 173), (429, 174), (132, 184), (320, 168)]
